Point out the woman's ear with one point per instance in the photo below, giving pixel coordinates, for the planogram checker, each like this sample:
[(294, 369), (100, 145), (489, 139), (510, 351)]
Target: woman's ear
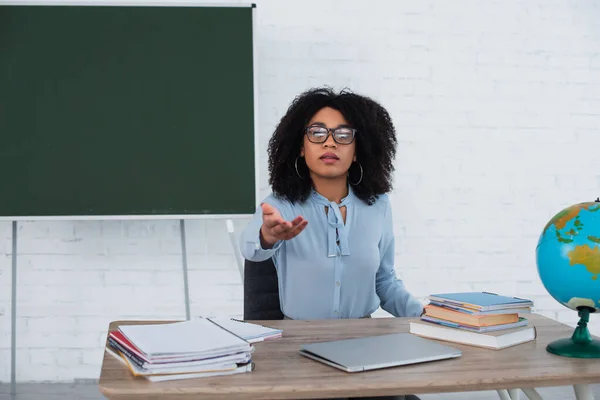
[(302, 151)]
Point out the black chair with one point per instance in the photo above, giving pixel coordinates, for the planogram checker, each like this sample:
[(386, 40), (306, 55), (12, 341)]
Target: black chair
[(261, 291)]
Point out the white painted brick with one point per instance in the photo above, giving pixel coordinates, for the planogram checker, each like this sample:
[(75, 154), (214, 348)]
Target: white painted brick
[(148, 312), (549, 303), (68, 359), (44, 357), (547, 314), (92, 262), (533, 287), (90, 356), (218, 241), (568, 317), (127, 277), (594, 327), (439, 286), (47, 309), (50, 324), (58, 277), (214, 261), (92, 323), (75, 340)]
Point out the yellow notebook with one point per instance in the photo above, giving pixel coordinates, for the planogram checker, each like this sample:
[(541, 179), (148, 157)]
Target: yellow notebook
[(470, 319)]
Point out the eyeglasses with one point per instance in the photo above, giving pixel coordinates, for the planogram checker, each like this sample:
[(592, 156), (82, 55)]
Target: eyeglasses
[(320, 134)]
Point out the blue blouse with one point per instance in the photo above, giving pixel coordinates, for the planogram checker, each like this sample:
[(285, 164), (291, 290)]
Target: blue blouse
[(334, 269)]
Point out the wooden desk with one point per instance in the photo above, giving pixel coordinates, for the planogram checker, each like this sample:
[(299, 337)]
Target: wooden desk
[(281, 373)]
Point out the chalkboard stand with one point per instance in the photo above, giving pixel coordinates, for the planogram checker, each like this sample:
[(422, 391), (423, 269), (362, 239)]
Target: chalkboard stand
[(186, 290), (13, 314)]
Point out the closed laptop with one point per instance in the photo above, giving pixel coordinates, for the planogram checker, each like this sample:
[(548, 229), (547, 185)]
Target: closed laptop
[(374, 352)]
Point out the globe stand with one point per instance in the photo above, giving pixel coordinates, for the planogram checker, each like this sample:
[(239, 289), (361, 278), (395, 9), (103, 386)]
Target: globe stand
[(581, 344)]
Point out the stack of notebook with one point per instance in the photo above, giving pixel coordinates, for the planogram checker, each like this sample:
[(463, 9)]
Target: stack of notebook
[(250, 332), (190, 349), (477, 318)]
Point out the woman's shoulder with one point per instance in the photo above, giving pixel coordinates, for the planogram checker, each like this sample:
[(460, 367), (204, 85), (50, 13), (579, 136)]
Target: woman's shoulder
[(378, 210), (379, 203), (382, 200)]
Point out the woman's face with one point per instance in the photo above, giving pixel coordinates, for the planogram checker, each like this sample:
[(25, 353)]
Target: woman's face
[(329, 159)]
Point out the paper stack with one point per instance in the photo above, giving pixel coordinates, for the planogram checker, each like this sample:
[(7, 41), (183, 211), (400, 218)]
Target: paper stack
[(182, 350)]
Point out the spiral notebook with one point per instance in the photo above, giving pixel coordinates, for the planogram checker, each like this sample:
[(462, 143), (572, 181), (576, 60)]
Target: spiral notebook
[(248, 331)]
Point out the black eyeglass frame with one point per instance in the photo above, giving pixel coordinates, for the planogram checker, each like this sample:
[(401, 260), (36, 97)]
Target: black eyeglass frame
[(330, 131)]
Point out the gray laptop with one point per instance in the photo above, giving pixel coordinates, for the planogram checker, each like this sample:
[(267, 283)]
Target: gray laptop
[(374, 352)]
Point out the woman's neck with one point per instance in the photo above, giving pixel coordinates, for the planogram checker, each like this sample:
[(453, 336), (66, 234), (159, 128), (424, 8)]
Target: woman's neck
[(332, 189)]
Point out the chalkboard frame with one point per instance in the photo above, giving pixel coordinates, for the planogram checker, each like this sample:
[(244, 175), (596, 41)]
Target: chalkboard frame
[(150, 3)]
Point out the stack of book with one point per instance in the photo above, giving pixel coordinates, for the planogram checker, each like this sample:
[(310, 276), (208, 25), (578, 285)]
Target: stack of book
[(191, 349), (476, 318)]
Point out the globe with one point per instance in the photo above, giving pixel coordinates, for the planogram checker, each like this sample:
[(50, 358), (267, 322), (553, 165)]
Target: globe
[(568, 263)]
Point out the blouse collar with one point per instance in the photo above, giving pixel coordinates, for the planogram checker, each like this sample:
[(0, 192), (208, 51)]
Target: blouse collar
[(335, 222)]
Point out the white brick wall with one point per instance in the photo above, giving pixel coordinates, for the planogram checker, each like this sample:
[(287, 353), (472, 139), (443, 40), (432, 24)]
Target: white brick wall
[(497, 106)]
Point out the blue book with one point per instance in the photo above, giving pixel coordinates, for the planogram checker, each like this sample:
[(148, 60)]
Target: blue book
[(480, 301), (480, 329), (506, 310)]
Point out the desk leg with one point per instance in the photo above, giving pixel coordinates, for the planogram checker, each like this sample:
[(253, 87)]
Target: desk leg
[(186, 290), (508, 394), (531, 393), (583, 392), (13, 314), (503, 393)]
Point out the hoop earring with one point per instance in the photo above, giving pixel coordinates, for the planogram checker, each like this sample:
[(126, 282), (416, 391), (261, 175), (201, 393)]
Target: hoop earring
[(296, 165), (361, 175)]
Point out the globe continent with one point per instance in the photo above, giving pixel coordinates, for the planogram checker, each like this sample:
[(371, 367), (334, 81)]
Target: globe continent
[(568, 256)]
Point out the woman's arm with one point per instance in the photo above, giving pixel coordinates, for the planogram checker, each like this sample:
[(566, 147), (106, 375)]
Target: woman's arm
[(394, 296), (251, 247)]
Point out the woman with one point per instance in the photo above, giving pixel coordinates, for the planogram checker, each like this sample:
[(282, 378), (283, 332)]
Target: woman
[(328, 223)]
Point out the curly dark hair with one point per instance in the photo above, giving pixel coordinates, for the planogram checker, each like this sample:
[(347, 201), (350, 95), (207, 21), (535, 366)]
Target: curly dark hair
[(375, 144)]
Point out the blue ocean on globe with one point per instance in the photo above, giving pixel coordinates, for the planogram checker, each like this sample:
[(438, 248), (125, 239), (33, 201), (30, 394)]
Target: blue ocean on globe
[(568, 256)]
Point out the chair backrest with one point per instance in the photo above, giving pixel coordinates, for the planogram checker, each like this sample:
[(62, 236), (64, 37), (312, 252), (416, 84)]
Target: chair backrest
[(261, 291)]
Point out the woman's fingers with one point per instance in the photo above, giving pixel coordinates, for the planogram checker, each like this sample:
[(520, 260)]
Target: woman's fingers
[(295, 231), (279, 228), (284, 229), (271, 216), (268, 209), (297, 221), (272, 221)]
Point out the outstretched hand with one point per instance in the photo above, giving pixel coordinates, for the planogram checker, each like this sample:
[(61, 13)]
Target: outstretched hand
[(275, 228)]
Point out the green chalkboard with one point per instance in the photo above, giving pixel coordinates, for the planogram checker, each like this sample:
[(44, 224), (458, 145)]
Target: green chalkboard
[(126, 110)]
